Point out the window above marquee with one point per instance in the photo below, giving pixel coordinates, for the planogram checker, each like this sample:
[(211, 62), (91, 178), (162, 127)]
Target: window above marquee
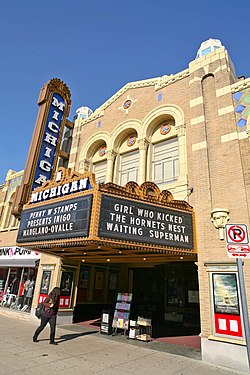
[(100, 171), (129, 166), (165, 161)]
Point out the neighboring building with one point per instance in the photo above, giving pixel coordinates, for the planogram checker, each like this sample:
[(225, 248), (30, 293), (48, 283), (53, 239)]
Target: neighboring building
[(188, 133), (18, 266)]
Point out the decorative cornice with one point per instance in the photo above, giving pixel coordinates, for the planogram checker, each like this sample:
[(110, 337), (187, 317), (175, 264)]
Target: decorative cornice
[(147, 192), (168, 80), (158, 82), (55, 85), (240, 85), (12, 175)]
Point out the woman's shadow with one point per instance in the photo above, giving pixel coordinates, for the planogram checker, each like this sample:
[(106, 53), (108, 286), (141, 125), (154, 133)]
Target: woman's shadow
[(72, 336)]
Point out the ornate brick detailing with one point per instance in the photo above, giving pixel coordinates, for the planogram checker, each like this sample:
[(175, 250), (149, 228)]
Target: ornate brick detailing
[(143, 144), (181, 129), (111, 154), (84, 164), (144, 193), (159, 83), (240, 85), (167, 80)]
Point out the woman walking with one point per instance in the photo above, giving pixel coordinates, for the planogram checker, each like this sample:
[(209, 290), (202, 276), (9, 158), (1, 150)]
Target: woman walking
[(51, 303)]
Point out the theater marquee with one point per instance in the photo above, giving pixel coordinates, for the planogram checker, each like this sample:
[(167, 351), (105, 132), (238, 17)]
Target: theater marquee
[(141, 222), (66, 219), (102, 222)]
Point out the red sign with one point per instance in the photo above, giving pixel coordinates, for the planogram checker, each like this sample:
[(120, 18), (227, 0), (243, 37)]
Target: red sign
[(42, 297), (237, 234), (238, 251), (64, 302), (237, 241), (226, 324)]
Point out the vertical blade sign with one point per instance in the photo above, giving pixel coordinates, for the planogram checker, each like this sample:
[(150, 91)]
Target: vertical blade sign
[(51, 134)]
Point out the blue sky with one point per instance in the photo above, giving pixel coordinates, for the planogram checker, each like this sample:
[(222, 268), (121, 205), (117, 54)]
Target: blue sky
[(96, 47)]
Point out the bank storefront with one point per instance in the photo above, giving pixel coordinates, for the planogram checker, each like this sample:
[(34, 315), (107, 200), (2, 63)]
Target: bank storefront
[(110, 239)]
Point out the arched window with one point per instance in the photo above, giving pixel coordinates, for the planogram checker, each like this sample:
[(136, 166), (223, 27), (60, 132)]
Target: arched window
[(165, 158), (99, 169), (128, 160), (128, 167), (99, 164), (165, 151)]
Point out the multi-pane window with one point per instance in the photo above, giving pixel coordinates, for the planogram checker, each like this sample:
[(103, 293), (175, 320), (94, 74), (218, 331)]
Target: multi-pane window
[(165, 161), (128, 170), (100, 171)]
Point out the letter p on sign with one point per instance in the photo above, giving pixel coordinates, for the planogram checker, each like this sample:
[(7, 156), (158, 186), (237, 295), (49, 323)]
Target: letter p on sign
[(236, 234)]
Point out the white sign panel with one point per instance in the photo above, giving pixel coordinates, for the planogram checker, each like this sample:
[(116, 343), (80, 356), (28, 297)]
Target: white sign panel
[(237, 241), (236, 251), (16, 252)]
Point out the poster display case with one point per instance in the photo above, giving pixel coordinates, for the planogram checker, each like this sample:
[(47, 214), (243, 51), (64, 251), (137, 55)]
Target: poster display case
[(67, 282), (122, 312), (226, 303)]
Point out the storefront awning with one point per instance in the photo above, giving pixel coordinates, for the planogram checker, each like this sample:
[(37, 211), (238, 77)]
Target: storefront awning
[(16, 256), (25, 263)]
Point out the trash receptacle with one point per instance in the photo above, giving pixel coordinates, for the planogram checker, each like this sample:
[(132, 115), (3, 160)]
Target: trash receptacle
[(106, 322)]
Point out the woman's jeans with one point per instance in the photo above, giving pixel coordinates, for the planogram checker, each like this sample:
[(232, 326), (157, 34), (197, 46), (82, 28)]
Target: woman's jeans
[(44, 321)]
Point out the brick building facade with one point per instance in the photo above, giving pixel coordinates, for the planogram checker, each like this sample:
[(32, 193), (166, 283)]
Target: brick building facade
[(189, 134)]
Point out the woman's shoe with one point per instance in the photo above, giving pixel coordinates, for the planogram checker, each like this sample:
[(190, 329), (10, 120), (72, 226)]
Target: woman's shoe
[(53, 343)]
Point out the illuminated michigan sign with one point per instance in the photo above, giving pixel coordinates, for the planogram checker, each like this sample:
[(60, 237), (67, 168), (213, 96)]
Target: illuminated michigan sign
[(54, 106), (50, 138)]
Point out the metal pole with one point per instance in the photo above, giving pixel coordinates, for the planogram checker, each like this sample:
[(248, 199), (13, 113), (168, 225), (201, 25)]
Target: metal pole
[(7, 281), (244, 307)]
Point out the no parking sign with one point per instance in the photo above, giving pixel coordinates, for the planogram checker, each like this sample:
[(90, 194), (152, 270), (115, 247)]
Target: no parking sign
[(237, 241), (237, 234)]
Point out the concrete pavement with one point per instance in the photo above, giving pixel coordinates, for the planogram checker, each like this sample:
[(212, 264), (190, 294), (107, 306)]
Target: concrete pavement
[(85, 351)]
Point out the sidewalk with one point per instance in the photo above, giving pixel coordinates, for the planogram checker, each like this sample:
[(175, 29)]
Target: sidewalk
[(84, 351)]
